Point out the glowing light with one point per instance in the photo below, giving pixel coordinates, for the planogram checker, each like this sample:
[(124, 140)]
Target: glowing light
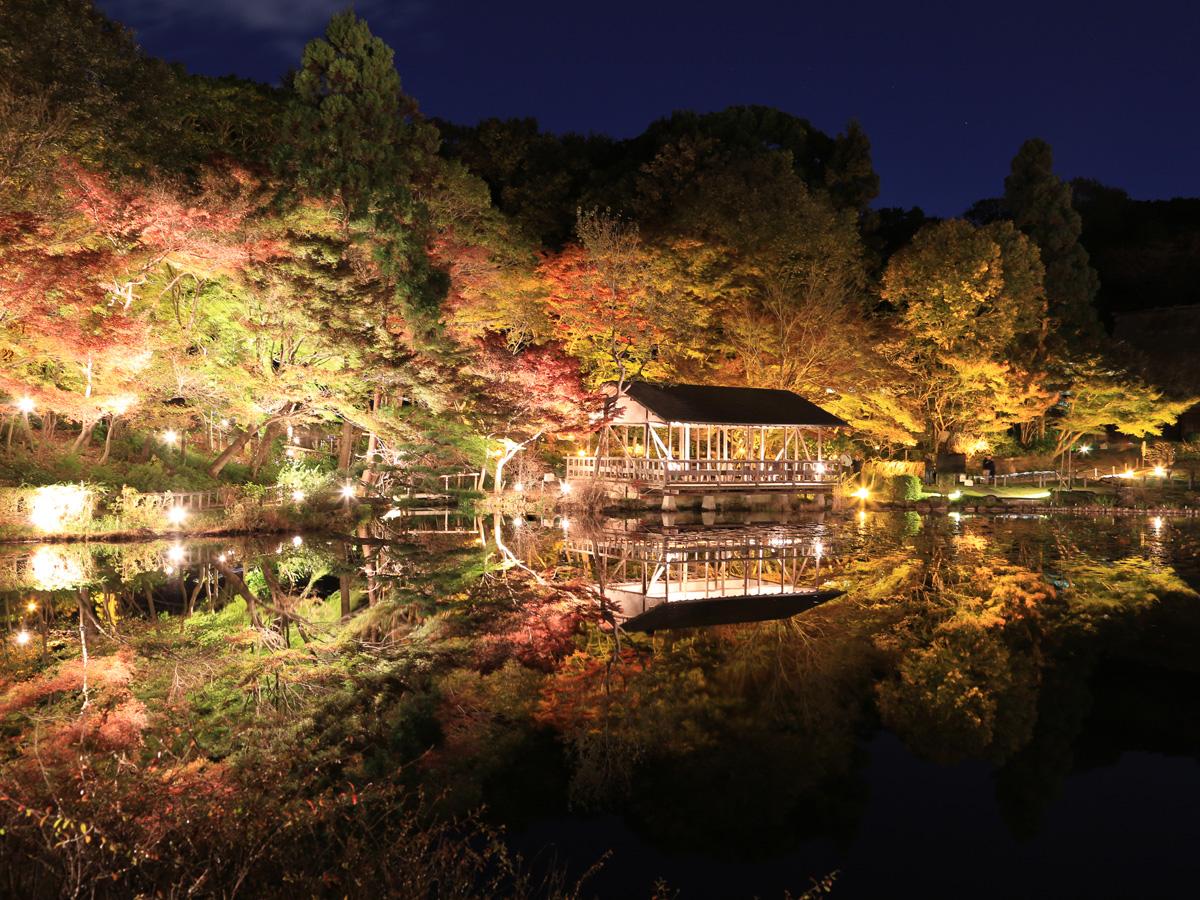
[(221, 557), (862, 493), (1160, 472), (55, 569), (819, 468), (1085, 449), (954, 495), (21, 637), (348, 491), (31, 606), (297, 541), (956, 516), (581, 453), (1128, 473), (519, 486), (55, 505), (818, 548), (297, 496), (564, 487), (1157, 524), (118, 406), (170, 436), (518, 522), (566, 524), (176, 515), (176, 553), (26, 405)]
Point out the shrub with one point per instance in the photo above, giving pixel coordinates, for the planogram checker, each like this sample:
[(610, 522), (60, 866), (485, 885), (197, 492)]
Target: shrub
[(906, 487), (311, 478), (889, 468)]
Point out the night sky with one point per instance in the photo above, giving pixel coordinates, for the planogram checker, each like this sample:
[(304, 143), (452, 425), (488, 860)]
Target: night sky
[(946, 92)]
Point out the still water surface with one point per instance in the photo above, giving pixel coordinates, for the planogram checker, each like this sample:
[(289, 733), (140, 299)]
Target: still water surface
[(940, 706)]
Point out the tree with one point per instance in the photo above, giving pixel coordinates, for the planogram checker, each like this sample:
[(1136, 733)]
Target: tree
[(851, 177), (516, 398), (968, 302), (603, 303), (347, 122), (1100, 397), (1040, 204)]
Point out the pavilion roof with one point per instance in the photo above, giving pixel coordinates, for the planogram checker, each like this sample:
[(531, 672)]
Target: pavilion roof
[(715, 405)]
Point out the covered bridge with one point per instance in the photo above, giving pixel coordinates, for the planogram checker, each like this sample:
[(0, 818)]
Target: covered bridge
[(676, 438)]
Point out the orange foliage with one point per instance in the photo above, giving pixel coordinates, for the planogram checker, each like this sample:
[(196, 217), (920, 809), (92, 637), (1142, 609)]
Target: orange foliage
[(104, 673)]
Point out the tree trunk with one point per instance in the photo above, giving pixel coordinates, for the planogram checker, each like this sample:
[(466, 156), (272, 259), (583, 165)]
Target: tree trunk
[(240, 441), (112, 426), (85, 432), (48, 422), (368, 475), (268, 439), (346, 446), (239, 586), (87, 618), (344, 588)]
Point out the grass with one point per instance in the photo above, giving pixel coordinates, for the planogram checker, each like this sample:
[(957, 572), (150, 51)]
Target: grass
[(1013, 491)]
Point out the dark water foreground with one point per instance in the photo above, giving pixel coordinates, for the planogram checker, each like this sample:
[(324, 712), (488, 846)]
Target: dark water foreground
[(876, 705)]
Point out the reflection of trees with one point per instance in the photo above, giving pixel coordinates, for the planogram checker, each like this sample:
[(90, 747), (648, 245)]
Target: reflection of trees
[(965, 693), (1117, 612), (727, 738)]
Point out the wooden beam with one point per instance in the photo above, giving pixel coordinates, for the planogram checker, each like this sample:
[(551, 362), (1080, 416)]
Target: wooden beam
[(666, 453)]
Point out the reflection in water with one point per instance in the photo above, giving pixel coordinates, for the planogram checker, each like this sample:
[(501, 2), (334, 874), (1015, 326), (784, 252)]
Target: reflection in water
[(769, 692), (687, 577)]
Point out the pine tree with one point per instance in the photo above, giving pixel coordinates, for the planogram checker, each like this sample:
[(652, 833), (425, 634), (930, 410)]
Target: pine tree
[(1040, 204), (354, 136), (348, 119), (851, 177)]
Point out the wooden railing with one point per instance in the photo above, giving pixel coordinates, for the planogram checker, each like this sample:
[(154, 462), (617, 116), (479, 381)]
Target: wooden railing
[(460, 481), (192, 501), (704, 472)]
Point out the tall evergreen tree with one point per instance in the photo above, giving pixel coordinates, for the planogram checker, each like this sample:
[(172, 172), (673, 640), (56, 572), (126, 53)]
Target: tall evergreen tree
[(1040, 204), (851, 177), (348, 121), (354, 136)]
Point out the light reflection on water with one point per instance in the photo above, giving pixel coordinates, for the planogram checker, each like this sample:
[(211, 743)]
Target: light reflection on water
[(570, 546), (834, 660)]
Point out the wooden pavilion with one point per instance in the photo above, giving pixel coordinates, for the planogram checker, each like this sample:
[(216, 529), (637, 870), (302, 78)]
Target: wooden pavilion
[(701, 439)]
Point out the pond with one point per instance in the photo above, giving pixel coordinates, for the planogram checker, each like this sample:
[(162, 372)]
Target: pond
[(853, 705)]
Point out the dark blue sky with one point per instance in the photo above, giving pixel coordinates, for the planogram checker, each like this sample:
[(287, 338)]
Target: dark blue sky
[(946, 91)]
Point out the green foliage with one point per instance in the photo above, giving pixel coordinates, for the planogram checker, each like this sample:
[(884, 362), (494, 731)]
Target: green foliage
[(312, 478), (1040, 204), (1100, 397), (347, 122), (906, 487)]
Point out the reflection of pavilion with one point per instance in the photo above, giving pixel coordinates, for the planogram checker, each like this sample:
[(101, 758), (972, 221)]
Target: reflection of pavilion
[(679, 579)]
